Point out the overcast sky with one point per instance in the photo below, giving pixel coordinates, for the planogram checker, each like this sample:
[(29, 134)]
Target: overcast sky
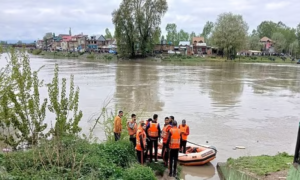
[(31, 19)]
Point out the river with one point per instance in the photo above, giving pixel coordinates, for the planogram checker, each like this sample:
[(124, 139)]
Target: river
[(225, 104)]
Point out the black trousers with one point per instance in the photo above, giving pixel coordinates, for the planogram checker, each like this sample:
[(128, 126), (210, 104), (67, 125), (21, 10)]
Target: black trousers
[(133, 140), (165, 153), (117, 136), (173, 160), (151, 143), (183, 146), (141, 156)]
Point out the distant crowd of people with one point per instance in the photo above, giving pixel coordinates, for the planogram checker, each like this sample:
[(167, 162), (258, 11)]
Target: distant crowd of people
[(145, 135)]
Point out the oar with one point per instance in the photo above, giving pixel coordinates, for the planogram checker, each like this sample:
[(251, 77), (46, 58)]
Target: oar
[(211, 147)]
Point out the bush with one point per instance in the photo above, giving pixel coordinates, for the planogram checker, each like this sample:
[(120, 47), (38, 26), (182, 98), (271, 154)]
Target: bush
[(37, 51), (108, 57), (139, 172), (158, 168), (213, 57), (91, 56), (72, 158)]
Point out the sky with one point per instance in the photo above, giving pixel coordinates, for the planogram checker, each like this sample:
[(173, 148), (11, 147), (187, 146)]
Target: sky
[(31, 19)]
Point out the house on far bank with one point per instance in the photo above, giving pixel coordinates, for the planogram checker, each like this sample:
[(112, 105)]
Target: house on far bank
[(39, 44), (184, 47), (200, 47), (267, 45)]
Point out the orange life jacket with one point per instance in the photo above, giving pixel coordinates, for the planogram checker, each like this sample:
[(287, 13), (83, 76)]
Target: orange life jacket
[(183, 129), (153, 130), (132, 131), (175, 138), (165, 133), (138, 143)]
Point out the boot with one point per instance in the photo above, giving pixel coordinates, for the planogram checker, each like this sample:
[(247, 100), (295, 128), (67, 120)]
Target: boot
[(174, 174), (170, 171)]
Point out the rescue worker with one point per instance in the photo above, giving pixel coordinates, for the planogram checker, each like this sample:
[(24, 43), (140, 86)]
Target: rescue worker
[(174, 145), (184, 131), (118, 125), (140, 124), (172, 119), (148, 121), (132, 129), (141, 144), (153, 133), (165, 135)]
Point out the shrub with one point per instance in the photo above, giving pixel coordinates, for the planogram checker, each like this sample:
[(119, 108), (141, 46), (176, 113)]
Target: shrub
[(139, 172), (71, 158), (90, 56), (37, 51), (158, 168), (213, 57), (108, 57)]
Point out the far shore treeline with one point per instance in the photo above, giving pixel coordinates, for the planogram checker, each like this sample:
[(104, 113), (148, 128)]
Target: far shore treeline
[(136, 28)]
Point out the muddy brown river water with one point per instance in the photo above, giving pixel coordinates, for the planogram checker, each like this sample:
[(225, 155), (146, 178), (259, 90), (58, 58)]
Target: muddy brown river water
[(225, 104)]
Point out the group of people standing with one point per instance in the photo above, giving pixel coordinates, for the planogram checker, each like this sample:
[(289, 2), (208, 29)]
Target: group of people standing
[(146, 135)]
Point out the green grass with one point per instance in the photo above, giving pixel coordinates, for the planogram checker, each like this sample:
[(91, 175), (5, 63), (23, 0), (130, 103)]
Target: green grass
[(220, 59), (262, 165), (157, 167)]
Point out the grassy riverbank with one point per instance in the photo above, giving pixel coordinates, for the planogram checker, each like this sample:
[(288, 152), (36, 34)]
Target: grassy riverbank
[(74, 158), (267, 167), (166, 58)]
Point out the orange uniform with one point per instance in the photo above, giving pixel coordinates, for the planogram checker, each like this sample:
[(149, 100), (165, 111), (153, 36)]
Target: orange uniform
[(174, 138), (184, 132), (139, 146), (165, 133), (153, 130), (132, 131), (117, 124)]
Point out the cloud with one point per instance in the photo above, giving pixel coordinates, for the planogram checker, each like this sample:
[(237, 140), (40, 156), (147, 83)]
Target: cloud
[(31, 19)]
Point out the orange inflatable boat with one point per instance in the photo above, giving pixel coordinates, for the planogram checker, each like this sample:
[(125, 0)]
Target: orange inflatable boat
[(195, 154)]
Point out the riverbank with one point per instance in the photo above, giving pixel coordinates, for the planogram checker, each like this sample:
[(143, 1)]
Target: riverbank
[(167, 58), (257, 167)]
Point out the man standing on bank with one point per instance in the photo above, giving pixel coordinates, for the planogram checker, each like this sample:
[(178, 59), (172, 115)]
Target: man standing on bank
[(153, 133), (184, 131), (141, 143), (132, 129), (118, 126), (165, 136), (174, 145)]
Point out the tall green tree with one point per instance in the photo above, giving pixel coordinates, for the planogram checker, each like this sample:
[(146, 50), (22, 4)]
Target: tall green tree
[(207, 30), (136, 23), (293, 48), (62, 105), (230, 33), (22, 111), (108, 34), (183, 36), (254, 42), (279, 42), (298, 35), (193, 34), (172, 35), (267, 29)]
